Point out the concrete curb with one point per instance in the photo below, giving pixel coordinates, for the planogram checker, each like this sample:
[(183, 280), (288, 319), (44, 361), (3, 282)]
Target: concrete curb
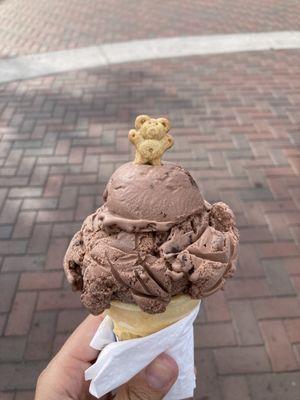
[(35, 65)]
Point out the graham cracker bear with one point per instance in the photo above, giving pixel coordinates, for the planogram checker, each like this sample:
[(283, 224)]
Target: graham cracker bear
[(151, 139)]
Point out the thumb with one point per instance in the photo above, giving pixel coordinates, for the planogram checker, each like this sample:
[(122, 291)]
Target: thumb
[(153, 382)]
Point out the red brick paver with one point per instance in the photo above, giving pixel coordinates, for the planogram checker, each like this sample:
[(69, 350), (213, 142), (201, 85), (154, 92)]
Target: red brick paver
[(236, 124), (39, 25)]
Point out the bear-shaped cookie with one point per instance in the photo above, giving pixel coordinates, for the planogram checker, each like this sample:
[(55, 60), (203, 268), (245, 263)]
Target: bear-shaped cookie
[(151, 139)]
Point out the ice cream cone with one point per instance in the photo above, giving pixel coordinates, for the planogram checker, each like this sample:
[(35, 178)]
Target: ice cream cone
[(131, 322)]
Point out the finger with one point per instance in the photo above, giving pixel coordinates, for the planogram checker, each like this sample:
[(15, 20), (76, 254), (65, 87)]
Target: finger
[(153, 383), (78, 344)]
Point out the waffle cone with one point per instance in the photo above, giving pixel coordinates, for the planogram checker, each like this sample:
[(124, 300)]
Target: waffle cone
[(131, 322)]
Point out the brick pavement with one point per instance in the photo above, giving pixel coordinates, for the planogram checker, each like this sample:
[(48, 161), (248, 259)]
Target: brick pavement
[(40, 25), (236, 122)]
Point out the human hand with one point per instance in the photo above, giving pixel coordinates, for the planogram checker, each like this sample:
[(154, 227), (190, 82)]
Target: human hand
[(63, 378)]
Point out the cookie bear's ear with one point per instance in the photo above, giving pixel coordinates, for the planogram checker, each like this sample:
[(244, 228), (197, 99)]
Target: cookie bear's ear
[(140, 120), (165, 122)]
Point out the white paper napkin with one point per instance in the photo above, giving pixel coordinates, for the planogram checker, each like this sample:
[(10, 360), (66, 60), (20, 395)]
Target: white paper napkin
[(118, 362)]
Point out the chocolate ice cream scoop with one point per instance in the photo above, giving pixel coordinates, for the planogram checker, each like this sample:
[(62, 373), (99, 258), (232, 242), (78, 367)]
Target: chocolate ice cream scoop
[(154, 237), (150, 198)]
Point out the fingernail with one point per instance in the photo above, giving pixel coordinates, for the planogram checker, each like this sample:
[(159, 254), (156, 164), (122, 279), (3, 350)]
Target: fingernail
[(159, 373)]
